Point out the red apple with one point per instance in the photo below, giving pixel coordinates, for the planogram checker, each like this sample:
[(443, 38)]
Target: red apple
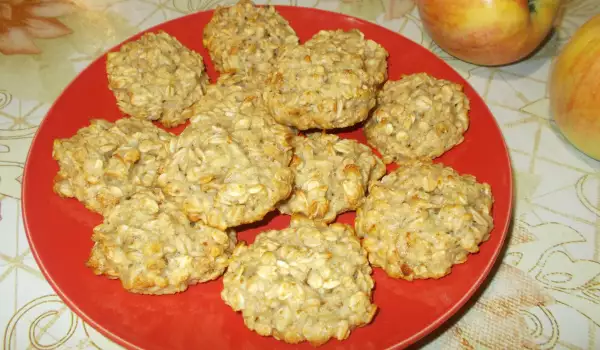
[(488, 32), (574, 89)]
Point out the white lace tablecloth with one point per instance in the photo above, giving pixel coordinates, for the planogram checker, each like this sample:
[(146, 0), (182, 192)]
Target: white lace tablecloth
[(546, 293)]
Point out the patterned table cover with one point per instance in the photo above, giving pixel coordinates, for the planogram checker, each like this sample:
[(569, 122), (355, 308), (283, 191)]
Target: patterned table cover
[(545, 293)]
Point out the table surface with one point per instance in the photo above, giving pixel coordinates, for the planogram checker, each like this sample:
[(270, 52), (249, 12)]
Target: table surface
[(545, 293)]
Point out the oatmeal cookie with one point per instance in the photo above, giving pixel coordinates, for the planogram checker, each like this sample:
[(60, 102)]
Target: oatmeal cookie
[(105, 161), (245, 38), (229, 168), (329, 82), (150, 245), (307, 282), (423, 218), (232, 93), (331, 176), (418, 117), (156, 78)]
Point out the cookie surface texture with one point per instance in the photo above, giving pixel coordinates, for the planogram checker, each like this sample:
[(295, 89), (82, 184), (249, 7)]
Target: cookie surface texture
[(246, 39), (307, 282), (332, 175), (156, 78), (423, 218), (328, 82), (229, 168), (105, 162), (151, 246), (418, 117), (232, 93)]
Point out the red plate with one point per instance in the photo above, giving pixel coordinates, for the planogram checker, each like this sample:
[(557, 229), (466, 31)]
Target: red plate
[(59, 230)]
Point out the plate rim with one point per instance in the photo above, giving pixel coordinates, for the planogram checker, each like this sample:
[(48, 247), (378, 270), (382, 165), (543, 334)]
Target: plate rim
[(417, 336)]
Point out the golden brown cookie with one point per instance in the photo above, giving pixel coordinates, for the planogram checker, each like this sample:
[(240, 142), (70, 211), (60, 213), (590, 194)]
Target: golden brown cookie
[(418, 117), (328, 82), (105, 162), (245, 38), (423, 218), (229, 167), (150, 245), (332, 175), (309, 282), (156, 78)]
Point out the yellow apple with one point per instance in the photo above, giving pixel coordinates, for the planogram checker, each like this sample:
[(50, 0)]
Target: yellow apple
[(574, 89), (488, 32)]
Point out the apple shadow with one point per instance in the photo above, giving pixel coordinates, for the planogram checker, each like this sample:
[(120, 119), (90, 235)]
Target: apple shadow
[(549, 47), (572, 150)]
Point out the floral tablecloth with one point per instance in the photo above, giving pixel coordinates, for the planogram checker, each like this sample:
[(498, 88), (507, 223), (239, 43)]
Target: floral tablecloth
[(546, 292)]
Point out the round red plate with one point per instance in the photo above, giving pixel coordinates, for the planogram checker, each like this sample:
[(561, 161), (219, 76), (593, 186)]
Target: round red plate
[(59, 230)]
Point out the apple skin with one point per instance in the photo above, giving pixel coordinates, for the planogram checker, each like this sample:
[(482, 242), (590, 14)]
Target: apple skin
[(489, 32), (574, 89)]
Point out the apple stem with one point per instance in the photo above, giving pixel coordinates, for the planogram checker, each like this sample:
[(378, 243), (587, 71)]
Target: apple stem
[(531, 5)]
